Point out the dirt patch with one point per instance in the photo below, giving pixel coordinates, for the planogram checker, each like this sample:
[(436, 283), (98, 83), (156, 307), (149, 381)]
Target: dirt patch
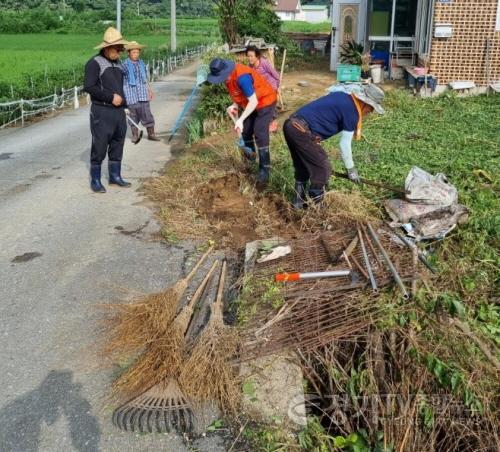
[(231, 212)]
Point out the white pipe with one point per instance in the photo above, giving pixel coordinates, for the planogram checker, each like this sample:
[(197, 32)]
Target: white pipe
[(314, 275)]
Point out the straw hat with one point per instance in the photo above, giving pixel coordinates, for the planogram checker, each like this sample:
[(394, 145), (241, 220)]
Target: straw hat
[(132, 45), (112, 37)]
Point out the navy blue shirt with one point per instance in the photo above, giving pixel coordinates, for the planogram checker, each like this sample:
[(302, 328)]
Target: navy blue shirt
[(330, 115)]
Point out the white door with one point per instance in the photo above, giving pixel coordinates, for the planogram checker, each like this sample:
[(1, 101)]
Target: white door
[(348, 23)]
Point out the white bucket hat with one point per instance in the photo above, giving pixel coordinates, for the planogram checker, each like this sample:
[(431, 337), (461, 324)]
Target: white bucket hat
[(371, 95)]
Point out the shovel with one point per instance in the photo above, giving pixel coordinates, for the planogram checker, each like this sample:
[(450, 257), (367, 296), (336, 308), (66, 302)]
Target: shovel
[(248, 152), (141, 130)]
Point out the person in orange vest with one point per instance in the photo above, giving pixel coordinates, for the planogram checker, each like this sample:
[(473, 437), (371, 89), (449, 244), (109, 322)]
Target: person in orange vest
[(257, 98)]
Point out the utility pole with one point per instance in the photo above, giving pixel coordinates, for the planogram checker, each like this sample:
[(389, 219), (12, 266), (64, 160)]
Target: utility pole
[(173, 27), (119, 15)]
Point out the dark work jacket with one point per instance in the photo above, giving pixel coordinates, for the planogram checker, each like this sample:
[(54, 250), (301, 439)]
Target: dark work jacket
[(103, 79)]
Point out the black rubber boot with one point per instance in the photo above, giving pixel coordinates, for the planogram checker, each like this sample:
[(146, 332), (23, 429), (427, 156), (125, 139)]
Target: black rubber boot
[(300, 195), (316, 194), (264, 166), (95, 179), (151, 134), (115, 177)]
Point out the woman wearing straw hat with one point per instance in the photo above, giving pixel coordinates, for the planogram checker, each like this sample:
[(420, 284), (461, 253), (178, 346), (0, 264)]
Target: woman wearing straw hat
[(104, 83), (138, 92), (337, 112)]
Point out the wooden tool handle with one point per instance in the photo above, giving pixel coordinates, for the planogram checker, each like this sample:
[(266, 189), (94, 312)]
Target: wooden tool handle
[(184, 317), (217, 307), (198, 264), (201, 287), (375, 184), (222, 282)]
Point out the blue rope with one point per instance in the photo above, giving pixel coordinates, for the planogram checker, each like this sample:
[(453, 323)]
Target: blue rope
[(186, 107)]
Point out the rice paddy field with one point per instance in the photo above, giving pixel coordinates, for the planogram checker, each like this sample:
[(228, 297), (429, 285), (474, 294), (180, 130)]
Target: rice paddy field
[(34, 65)]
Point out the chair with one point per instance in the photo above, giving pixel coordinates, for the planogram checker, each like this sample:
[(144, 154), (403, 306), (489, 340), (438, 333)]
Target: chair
[(402, 55)]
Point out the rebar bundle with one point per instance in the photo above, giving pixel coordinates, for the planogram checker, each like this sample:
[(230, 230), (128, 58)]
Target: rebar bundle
[(316, 312)]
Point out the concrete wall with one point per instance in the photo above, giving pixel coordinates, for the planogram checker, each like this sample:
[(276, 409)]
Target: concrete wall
[(316, 16), (291, 16), (463, 56)]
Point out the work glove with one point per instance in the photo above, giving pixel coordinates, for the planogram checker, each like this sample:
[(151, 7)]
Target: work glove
[(238, 125), (353, 175)]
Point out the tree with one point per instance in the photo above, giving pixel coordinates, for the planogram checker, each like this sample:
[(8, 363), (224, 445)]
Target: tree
[(257, 18), (247, 17), (226, 11)]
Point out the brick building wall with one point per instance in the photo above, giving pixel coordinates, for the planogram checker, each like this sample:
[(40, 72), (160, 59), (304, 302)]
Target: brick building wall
[(463, 56)]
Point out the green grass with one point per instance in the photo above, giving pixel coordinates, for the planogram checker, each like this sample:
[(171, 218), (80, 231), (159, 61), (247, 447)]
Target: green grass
[(305, 27), (29, 57), (455, 136)]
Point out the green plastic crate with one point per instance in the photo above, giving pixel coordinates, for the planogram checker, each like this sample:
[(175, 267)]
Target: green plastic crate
[(348, 73)]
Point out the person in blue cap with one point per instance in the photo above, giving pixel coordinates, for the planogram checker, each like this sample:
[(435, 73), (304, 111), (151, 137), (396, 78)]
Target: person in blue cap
[(253, 94), (337, 112)]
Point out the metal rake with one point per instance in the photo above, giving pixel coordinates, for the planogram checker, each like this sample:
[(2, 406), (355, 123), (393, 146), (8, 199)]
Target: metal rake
[(153, 412)]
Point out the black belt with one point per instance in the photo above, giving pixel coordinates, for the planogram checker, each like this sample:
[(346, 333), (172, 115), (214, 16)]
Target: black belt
[(105, 104)]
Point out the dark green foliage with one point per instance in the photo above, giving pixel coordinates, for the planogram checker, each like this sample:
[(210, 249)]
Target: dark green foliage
[(351, 53), (256, 18)]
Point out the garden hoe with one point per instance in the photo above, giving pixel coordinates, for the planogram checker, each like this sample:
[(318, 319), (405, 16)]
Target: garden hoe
[(375, 184), (139, 128)]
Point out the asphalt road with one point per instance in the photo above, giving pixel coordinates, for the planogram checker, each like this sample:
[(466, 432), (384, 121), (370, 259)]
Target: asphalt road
[(63, 251)]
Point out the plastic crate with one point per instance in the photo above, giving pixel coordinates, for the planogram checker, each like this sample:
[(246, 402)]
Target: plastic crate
[(348, 73)]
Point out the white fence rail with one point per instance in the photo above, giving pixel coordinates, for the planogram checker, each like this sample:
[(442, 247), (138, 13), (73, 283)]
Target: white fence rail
[(19, 111)]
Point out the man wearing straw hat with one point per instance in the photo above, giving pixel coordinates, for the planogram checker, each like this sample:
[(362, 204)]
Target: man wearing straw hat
[(138, 92), (337, 112), (104, 83)]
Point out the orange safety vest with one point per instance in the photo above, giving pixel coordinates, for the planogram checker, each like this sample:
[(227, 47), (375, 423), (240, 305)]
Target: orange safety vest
[(265, 94)]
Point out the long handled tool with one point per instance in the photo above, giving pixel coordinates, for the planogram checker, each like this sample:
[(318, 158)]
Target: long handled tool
[(288, 277), (162, 407), (280, 95), (208, 374), (375, 184), (141, 129), (248, 152), (132, 326)]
